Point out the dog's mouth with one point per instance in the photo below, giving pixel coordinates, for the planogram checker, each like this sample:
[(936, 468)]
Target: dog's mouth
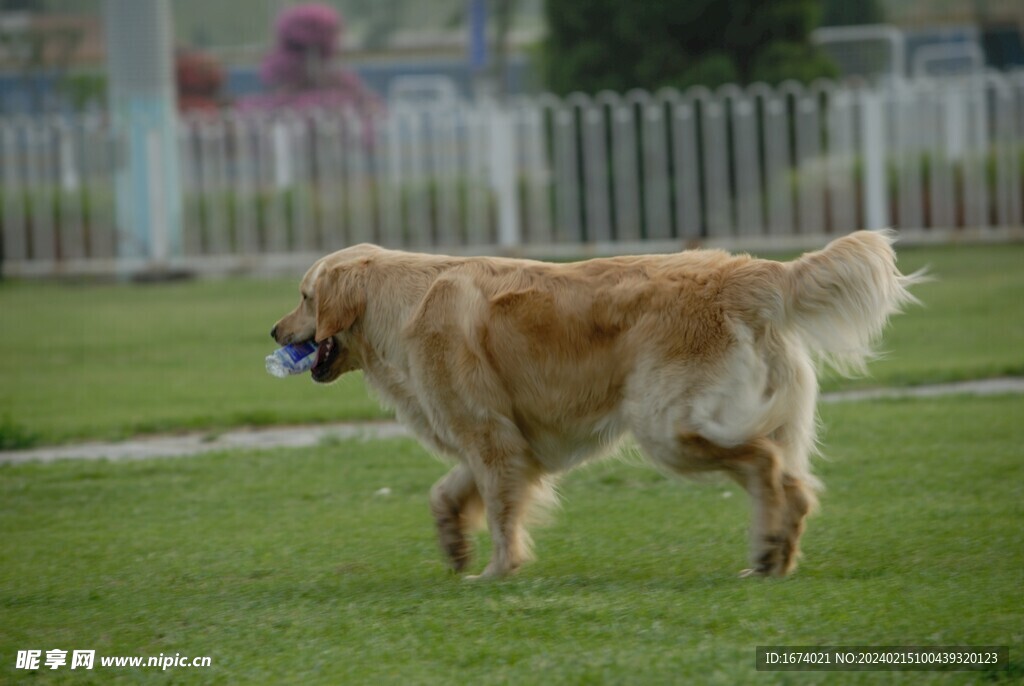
[(327, 352)]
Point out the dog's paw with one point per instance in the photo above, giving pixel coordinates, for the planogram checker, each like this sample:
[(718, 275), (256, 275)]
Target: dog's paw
[(459, 558), (776, 558), (483, 577), (455, 545), (492, 573)]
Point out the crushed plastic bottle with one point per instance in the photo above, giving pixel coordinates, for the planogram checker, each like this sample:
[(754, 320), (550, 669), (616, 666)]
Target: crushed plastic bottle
[(291, 359)]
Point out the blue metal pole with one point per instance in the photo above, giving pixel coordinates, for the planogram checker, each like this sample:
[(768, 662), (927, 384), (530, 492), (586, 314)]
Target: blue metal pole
[(477, 35)]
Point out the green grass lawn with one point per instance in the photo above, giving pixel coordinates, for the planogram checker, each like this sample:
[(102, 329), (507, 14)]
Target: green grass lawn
[(108, 361), (971, 324), (285, 567)]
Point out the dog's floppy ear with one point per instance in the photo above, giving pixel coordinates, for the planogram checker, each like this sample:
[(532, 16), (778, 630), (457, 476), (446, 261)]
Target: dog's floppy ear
[(340, 298)]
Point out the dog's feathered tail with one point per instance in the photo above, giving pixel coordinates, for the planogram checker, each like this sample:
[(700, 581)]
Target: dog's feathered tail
[(839, 299)]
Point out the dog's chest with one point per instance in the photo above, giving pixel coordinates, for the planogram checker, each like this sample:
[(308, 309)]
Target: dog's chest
[(561, 448)]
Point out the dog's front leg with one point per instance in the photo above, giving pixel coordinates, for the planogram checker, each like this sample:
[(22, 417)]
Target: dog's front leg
[(507, 485), (457, 507)]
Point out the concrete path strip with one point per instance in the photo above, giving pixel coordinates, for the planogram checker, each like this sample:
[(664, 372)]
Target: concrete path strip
[(312, 435), (998, 386)]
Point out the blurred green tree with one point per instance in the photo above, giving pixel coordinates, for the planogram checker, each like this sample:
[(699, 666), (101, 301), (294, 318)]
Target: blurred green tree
[(846, 13), (610, 44)]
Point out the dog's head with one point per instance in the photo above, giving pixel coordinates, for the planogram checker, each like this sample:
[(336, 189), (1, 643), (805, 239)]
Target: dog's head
[(333, 300)]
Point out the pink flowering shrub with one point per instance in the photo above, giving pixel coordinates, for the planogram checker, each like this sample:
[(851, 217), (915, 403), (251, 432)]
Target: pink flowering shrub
[(309, 27), (300, 72)]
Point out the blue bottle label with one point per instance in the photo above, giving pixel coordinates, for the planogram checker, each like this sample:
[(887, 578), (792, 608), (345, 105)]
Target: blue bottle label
[(297, 352)]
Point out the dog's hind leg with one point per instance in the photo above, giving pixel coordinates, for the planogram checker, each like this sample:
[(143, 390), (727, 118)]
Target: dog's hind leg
[(795, 439), (775, 498), (800, 501), (457, 508), (756, 465)]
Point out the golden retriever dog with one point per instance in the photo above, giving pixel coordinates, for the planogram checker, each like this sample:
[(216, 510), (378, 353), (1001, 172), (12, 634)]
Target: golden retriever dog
[(521, 370)]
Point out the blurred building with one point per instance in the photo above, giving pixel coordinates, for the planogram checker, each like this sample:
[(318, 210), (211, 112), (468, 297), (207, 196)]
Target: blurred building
[(932, 38), (52, 51)]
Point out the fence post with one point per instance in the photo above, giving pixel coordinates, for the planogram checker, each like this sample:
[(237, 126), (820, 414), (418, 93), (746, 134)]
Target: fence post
[(15, 245), (159, 248), (876, 214), (595, 172), (503, 175), (716, 166)]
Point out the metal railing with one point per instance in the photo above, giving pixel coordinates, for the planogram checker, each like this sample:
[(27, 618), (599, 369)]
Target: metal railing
[(755, 166)]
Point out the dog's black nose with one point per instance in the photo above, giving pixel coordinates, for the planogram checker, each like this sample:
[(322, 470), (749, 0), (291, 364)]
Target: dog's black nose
[(273, 333)]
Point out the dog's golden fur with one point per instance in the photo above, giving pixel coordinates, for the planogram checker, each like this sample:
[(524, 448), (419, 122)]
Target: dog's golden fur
[(521, 370)]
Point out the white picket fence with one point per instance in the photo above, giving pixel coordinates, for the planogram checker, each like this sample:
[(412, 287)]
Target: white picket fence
[(740, 167)]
